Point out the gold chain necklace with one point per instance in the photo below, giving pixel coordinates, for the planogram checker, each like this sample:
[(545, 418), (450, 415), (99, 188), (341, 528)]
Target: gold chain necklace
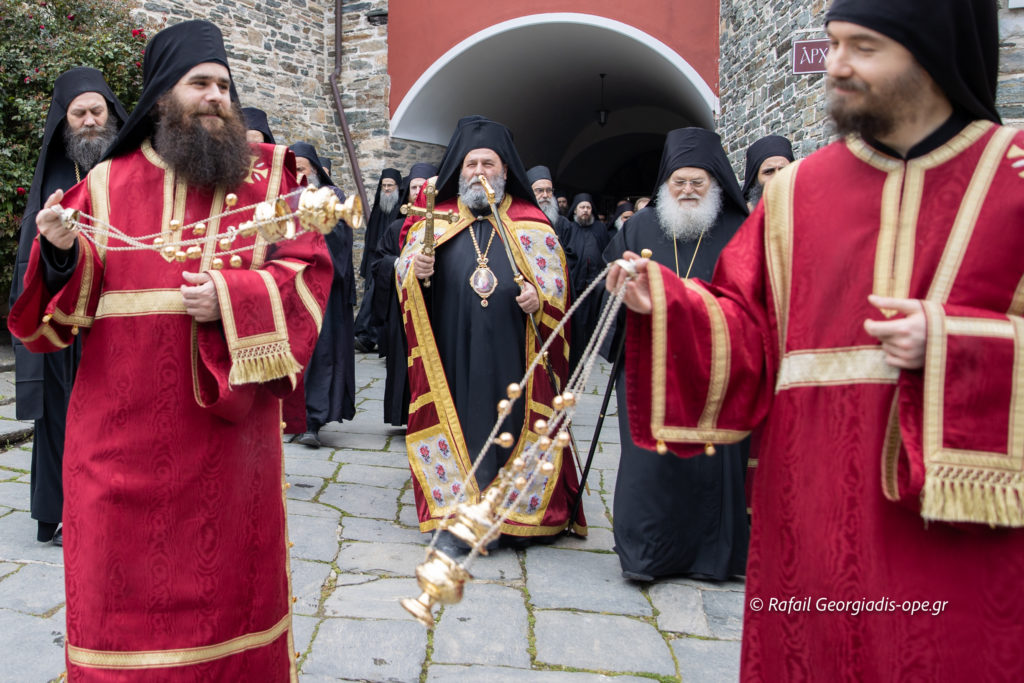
[(78, 177), (482, 280), (675, 248)]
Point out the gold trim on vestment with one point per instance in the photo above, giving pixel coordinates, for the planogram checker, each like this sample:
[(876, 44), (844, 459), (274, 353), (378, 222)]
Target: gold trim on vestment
[(1017, 305), (891, 445), (967, 216), (158, 659), (778, 244), (965, 485), (834, 367), (210, 246), (79, 316), (98, 183), (129, 303), (258, 357), (659, 368), (305, 295), (259, 252), (47, 331), (720, 352)]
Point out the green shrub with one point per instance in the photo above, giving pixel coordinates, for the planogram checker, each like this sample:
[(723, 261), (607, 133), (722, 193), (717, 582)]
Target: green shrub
[(38, 42)]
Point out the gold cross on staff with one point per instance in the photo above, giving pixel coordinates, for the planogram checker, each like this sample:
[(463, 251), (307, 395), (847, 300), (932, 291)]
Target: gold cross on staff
[(429, 214)]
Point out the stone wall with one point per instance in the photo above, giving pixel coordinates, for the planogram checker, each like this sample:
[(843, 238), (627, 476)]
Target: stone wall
[(282, 56), (760, 95)]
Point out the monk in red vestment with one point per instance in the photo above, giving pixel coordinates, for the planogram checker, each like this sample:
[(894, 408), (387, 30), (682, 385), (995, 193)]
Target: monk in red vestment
[(867, 321), (176, 560), (470, 337)]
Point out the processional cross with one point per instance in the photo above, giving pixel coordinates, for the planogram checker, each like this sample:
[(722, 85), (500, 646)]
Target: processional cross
[(429, 214)]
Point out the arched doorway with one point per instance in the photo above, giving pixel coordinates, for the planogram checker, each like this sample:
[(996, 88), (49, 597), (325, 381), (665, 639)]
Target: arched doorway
[(539, 75)]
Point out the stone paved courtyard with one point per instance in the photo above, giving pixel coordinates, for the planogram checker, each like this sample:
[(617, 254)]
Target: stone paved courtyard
[(552, 613)]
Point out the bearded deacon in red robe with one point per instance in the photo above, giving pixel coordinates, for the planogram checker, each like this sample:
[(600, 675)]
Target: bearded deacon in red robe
[(867, 322), (176, 560)]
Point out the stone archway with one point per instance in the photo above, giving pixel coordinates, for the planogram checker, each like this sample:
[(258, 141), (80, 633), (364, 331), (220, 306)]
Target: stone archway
[(539, 75)]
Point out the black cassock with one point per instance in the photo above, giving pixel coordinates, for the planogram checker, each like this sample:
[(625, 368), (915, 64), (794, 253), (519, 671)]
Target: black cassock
[(391, 343), (43, 381), (585, 263), (482, 349), (330, 376), (678, 515)]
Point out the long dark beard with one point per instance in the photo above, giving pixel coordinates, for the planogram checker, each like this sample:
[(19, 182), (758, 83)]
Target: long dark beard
[(86, 148), (202, 158)]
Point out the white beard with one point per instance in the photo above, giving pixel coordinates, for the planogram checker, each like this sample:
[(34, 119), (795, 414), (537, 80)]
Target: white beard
[(550, 208), (678, 221), (474, 196), (619, 222), (388, 200)]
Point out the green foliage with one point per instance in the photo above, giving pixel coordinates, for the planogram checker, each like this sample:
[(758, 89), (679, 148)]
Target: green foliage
[(38, 42)]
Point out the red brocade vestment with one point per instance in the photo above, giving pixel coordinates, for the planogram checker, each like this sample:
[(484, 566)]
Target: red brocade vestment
[(176, 551), (877, 490)]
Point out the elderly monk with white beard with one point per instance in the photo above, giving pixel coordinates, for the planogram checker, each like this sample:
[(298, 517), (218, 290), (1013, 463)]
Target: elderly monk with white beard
[(678, 516)]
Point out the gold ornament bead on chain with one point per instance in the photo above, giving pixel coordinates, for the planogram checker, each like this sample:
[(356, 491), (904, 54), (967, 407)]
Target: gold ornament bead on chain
[(194, 252), (558, 403), (180, 256), (520, 482), (518, 464), (544, 443), (199, 229), (504, 406), (514, 391), (709, 449), (236, 261), (569, 399), (547, 468), (158, 242), (231, 199), (170, 251), (505, 440), (174, 225), (540, 426), (562, 440), (646, 253), (224, 243), (217, 263)]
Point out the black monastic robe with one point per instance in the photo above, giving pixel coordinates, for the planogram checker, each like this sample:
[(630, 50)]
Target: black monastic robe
[(678, 515)]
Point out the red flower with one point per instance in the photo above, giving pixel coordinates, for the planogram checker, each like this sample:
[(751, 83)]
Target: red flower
[(542, 262), (136, 32), (41, 27), (20, 190), (71, 17), (138, 64), (27, 79)]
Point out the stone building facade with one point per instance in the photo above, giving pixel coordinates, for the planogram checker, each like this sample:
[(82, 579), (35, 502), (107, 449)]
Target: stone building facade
[(283, 55), (760, 95)]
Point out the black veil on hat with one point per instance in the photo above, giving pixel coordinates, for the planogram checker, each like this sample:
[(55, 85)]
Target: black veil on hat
[(53, 164), (956, 41), (698, 148), (762, 150), (308, 152), (419, 170), (256, 119), (53, 168), (170, 54), (477, 132), (581, 197), (538, 173)]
